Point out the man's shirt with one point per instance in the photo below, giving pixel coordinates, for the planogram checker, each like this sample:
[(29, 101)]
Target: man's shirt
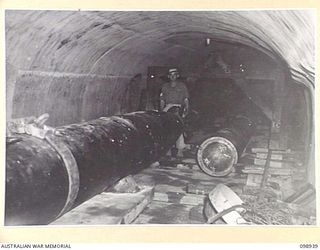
[(174, 95)]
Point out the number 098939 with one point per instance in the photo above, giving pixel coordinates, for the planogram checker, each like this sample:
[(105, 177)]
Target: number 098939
[(308, 246)]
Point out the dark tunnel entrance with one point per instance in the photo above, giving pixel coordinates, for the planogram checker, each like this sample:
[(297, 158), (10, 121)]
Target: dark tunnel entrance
[(251, 94)]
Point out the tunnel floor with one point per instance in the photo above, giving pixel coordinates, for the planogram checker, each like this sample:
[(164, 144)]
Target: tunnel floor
[(180, 192), (175, 191)]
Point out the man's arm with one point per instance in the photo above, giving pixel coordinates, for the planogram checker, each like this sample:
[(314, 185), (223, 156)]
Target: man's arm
[(186, 103), (162, 101), (186, 107)]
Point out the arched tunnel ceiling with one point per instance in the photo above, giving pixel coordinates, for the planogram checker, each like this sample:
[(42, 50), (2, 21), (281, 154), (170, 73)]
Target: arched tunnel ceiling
[(124, 43)]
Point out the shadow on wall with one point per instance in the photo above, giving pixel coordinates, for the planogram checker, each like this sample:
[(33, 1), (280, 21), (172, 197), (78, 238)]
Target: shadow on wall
[(132, 95)]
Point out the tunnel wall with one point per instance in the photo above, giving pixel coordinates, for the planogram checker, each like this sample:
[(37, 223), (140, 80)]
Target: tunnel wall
[(69, 98), (296, 120), (122, 44)]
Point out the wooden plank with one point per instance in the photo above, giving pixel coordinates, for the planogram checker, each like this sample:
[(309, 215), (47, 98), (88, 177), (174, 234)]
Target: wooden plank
[(132, 214), (179, 198), (204, 189), (254, 180), (273, 156), (265, 176), (108, 208), (272, 171), (266, 150), (273, 163), (303, 191), (200, 189)]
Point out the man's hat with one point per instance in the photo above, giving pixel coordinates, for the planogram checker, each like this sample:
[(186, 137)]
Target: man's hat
[(173, 70)]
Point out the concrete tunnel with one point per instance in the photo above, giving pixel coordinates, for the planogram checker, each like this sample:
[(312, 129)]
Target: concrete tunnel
[(81, 65)]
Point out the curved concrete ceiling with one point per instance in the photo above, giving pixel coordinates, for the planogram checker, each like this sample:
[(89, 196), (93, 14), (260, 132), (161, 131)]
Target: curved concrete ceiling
[(125, 43)]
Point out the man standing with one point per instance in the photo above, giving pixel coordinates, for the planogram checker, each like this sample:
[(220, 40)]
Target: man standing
[(174, 94)]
